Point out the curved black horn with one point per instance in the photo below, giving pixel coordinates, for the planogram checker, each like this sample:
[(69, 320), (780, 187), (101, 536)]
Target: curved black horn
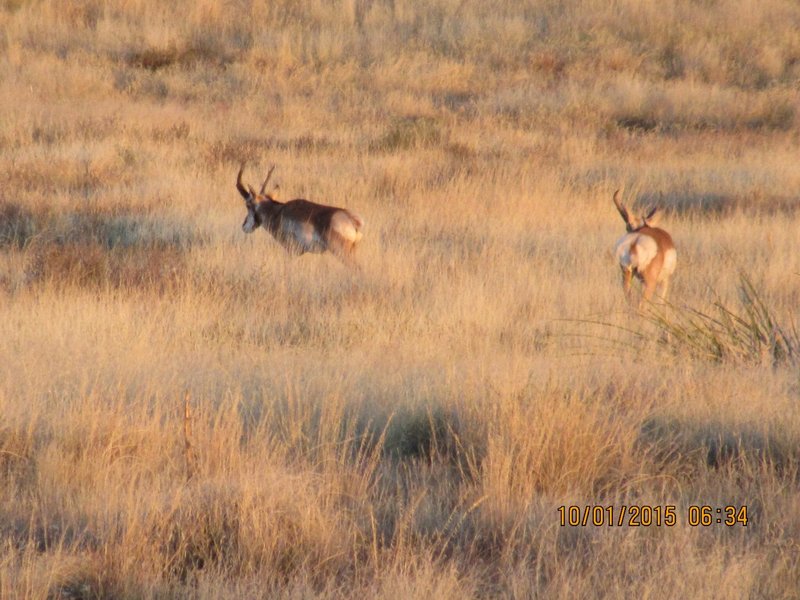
[(264, 185), (653, 216), (239, 186), (652, 212), (621, 207)]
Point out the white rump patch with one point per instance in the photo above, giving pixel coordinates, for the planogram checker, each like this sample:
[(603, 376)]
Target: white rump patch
[(347, 225), (635, 251)]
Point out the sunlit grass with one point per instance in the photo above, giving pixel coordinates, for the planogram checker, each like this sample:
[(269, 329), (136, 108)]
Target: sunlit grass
[(409, 430)]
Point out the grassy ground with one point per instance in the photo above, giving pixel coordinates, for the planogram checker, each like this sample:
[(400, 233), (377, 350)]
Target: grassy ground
[(409, 431)]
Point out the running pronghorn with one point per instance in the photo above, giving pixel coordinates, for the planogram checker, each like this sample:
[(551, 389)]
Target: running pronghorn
[(301, 226), (646, 252)]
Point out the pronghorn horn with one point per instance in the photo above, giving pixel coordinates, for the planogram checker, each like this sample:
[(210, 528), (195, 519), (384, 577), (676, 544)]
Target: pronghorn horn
[(239, 186), (264, 185), (652, 213), (653, 216), (621, 207)]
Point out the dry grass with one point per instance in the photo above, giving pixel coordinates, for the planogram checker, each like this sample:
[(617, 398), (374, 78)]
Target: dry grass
[(409, 431)]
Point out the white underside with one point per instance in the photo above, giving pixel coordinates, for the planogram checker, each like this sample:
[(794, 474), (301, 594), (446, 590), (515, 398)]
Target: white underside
[(304, 236)]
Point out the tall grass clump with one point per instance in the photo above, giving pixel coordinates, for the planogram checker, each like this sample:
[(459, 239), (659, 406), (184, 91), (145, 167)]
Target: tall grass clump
[(750, 334)]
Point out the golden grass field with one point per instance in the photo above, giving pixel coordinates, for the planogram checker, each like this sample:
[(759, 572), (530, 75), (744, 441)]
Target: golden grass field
[(410, 430)]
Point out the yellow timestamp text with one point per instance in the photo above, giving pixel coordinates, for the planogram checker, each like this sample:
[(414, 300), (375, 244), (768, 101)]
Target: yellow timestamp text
[(644, 515)]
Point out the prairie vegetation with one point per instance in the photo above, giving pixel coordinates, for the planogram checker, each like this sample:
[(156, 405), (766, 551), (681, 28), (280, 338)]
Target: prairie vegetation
[(411, 430)]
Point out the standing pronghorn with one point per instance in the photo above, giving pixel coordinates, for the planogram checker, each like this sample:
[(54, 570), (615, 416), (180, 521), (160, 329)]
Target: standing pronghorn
[(646, 252), (299, 225)]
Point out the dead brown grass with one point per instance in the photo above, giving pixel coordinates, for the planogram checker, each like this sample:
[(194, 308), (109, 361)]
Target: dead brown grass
[(409, 431)]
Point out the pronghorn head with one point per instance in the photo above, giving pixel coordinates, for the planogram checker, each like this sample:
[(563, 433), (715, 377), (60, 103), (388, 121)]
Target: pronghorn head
[(251, 200), (632, 222)]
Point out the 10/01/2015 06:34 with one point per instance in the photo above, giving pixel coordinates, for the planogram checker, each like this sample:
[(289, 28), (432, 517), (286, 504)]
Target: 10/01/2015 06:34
[(650, 516)]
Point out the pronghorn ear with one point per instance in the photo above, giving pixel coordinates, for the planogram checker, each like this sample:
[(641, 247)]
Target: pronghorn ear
[(252, 192), (621, 208), (653, 217), (276, 192)]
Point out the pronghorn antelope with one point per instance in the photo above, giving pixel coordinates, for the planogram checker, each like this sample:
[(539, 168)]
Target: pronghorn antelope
[(646, 252), (299, 225)]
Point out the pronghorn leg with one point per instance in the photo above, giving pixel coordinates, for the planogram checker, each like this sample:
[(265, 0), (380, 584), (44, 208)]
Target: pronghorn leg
[(665, 307), (285, 270), (666, 332), (349, 257), (627, 279), (344, 250), (664, 289), (647, 293)]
